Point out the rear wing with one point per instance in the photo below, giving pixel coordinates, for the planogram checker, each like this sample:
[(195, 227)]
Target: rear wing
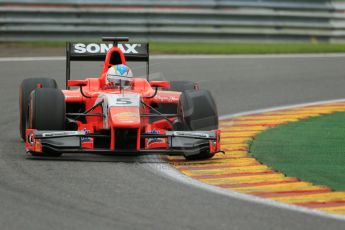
[(81, 51)]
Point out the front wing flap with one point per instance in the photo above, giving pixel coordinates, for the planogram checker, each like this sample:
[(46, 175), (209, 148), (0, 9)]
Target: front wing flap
[(185, 143)]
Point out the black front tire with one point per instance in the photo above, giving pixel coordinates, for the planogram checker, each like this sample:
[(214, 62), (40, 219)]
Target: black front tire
[(47, 111), (26, 87), (198, 112)]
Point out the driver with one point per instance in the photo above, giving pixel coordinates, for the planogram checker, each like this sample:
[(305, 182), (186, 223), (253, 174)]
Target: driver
[(118, 75)]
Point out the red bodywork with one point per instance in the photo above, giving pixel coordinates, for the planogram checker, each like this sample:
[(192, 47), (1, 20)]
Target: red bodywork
[(119, 117)]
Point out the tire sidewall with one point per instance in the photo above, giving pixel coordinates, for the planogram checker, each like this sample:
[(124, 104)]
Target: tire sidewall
[(26, 87)]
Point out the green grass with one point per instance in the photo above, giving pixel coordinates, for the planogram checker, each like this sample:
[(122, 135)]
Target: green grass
[(215, 48), (244, 48), (312, 150)]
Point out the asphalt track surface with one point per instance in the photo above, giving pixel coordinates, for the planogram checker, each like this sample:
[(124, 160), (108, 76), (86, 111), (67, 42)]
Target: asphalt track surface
[(92, 192)]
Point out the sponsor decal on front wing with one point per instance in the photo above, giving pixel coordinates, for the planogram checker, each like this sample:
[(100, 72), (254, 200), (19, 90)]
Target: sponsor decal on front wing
[(154, 140)]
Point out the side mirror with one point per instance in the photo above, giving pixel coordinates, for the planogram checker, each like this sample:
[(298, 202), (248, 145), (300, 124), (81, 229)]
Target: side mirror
[(72, 83), (160, 84)]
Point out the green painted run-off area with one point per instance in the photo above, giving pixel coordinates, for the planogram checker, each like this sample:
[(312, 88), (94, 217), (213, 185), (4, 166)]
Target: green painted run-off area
[(312, 150)]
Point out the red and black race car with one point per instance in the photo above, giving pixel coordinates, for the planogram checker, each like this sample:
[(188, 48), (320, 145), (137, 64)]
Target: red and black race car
[(145, 117)]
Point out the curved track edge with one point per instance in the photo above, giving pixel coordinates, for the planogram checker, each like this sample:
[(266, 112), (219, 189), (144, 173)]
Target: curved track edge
[(240, 176)]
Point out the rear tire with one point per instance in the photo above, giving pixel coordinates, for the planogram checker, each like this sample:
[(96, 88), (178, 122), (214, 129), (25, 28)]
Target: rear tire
[(178, 86), (167, 108), (26, 87), (47, 111), (198, 112)]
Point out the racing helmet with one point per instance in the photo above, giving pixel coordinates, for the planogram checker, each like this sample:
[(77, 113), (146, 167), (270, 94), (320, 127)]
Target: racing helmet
[(119, 75)]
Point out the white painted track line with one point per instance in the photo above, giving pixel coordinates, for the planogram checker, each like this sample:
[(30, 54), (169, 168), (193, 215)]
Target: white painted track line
[(21, 59)]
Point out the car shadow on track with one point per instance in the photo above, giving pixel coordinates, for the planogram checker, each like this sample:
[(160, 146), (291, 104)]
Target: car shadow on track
[(102, 158), (148, 159)]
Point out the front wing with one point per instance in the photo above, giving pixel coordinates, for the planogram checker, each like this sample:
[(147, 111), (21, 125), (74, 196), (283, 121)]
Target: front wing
[(186, 143)]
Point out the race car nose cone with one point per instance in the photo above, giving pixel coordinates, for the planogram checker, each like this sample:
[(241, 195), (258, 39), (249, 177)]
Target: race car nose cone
[(125, 117)]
